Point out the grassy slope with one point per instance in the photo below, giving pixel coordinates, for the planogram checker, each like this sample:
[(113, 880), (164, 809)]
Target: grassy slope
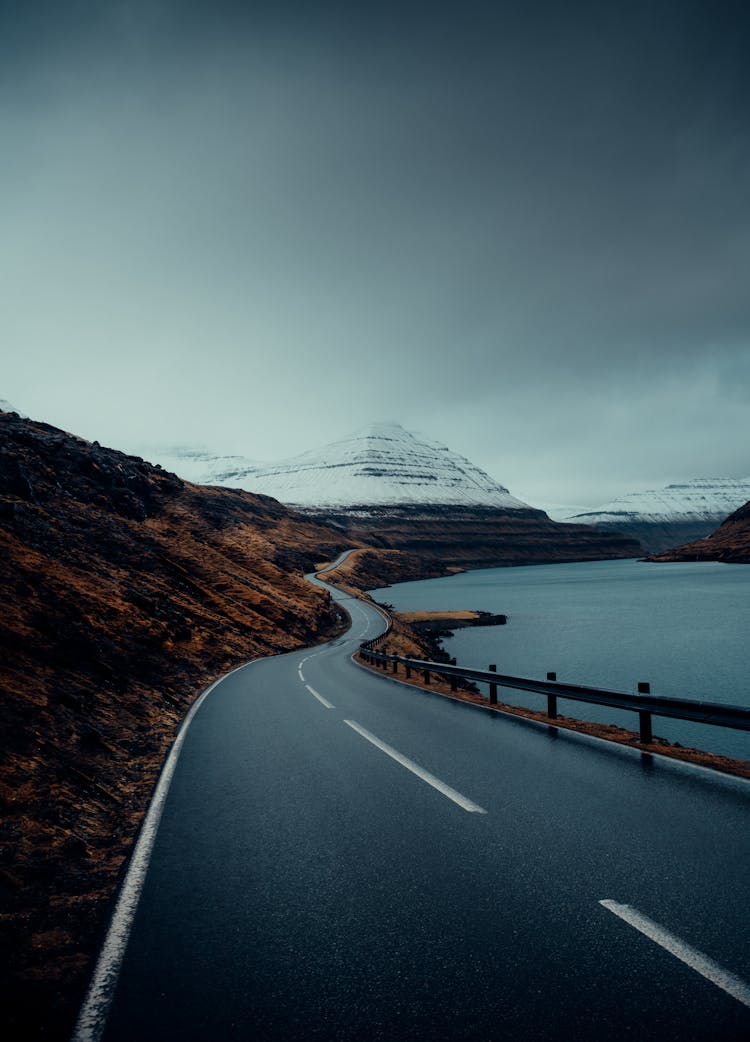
[(125, 591)]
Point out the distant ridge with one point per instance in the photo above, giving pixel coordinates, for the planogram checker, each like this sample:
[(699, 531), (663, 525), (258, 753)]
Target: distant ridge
[(678, 513)]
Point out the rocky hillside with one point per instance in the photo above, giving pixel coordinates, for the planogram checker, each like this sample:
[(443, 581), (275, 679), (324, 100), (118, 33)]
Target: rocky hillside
[(729, 543), (434, 540), (662, 518), (125, 591)]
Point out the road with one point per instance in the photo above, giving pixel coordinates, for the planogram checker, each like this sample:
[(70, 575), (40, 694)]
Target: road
[(340, 857)]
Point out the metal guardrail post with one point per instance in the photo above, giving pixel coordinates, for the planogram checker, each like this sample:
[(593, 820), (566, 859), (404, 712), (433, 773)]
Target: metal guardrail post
[(426, 676), (644, 717), (395, 666), (408, 671), (552, 700), (493, 687), (644, 721)]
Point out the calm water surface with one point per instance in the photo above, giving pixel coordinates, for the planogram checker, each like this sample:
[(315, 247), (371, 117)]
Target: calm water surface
[(685, 628)]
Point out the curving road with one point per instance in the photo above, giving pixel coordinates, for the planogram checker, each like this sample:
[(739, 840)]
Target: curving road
[(341, 858)]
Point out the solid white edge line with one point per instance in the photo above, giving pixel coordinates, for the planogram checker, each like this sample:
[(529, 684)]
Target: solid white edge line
[(93, 1015), (323, 701), (696, 960), (446, 790)]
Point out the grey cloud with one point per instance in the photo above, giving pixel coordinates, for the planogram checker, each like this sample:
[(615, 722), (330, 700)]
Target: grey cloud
[(526, 231)]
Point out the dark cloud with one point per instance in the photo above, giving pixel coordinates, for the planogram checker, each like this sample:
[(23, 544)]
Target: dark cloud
[(523, 228)]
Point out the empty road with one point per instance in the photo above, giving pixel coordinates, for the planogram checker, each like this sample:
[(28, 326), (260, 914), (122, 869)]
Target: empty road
[(341, 858)]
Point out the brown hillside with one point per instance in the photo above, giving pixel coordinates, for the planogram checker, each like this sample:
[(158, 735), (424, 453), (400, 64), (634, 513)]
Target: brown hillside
[(730, 543), (434, 540), (124, 592)]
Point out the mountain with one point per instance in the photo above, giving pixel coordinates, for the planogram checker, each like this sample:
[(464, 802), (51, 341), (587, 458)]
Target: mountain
[(126, 590), (729, 543), (381, 464), (390, 489), (662, 518)]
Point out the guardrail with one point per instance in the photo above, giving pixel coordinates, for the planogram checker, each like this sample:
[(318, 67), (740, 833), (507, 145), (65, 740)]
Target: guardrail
[(644, 703), (374, 641)]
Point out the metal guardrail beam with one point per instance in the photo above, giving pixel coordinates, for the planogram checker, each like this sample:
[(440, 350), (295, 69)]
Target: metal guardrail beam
[(646, 705)]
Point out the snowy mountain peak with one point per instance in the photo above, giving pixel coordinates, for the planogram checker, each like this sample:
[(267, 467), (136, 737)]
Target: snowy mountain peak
[(382, 464), (700, 499)]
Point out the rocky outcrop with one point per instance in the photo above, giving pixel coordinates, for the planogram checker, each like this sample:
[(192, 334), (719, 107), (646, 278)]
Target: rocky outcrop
[(729, 543), (125, 591)]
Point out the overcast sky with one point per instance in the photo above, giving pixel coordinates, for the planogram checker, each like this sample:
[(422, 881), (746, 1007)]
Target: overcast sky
[(520, 228)]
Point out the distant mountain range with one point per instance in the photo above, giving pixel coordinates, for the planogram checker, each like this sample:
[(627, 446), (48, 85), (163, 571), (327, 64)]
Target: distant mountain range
[(383, 471), (380, 465), (389, 488), (676, 514)]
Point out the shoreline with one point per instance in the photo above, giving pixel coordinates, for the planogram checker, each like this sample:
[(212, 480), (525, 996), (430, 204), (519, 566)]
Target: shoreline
[(604, 732), (406, 635)]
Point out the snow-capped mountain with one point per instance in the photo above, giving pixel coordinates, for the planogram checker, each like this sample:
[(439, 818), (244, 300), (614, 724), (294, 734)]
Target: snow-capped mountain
[(380, 465), (662, 518), (701, 499)]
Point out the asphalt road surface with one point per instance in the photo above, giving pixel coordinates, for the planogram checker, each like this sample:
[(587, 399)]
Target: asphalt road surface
[(341, 857)]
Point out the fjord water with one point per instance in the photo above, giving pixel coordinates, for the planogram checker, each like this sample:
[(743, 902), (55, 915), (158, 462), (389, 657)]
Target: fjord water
[(685, 628)]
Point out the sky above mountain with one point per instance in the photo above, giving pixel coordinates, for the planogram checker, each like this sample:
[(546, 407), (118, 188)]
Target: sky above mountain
[(521, 229)]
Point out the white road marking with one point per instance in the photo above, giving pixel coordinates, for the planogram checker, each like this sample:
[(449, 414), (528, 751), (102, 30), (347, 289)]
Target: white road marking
[(93, 1015), (446, 790), (301, 676), (323, 701), (690, 956)]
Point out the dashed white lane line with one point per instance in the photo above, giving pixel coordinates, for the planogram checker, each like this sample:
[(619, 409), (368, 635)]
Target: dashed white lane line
[(690, 956), (446, 790), (323, 701), (300, 674)]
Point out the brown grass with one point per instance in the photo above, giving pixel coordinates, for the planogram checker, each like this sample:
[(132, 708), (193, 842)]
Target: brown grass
[(125, 592), (437, 616)]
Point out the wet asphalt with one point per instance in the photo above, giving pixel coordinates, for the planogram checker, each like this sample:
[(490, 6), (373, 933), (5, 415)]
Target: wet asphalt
[(304, 885)]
